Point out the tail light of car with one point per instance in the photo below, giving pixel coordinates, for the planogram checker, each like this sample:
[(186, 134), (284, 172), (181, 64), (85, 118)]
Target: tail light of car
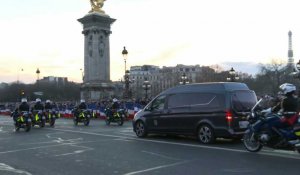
[(228, 116)]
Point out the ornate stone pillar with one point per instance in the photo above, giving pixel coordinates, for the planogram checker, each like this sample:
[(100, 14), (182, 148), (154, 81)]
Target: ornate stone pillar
[(96, 82)]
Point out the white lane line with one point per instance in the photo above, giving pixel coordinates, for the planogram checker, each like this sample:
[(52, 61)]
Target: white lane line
[(7, 168), (180, 144), (160, 155), (26, 149), (156, 168)]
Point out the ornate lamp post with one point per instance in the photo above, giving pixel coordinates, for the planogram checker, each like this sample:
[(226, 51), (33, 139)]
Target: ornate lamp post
[(146, 87), (184, 79), (127, 93), (38, 76), (81, 74), (125, 53), (232, 75)]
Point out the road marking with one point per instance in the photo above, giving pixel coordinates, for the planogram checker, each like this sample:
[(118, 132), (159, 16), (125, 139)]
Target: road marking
[(160, 155), (7, 168), (156, 168), (26, 149), (181, 144)]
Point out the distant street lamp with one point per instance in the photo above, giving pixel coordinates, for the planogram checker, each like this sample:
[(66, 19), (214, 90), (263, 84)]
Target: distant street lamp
[(18, 81), (127, 81), (81, 74), (184, 79), (146, 87), (232, 75), (125, 53), (38, 76)]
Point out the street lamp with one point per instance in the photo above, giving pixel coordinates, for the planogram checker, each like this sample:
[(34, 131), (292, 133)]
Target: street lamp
[(232, 75), (184, 79), (127, 82), (81, 74), (146, 87), (125, 53), (19, 75)]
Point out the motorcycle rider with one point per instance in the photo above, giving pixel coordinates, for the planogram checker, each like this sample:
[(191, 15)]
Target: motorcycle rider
[(22, 107), (38, 105), (80, 107), (115, 104), (288, 106), (48, 105)]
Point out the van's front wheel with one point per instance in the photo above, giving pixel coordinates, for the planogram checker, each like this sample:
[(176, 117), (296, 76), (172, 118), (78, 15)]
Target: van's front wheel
[(206, 134), (140, 129)]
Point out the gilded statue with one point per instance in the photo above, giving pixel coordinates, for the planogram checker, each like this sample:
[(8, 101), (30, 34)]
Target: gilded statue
[(97, 5)]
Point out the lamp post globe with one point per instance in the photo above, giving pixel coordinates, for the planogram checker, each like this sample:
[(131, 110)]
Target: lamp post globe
[(146, 86), (232, 75), (125, 53)]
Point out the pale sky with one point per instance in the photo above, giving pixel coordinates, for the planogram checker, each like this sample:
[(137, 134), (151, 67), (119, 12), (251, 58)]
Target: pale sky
[(45, 34)]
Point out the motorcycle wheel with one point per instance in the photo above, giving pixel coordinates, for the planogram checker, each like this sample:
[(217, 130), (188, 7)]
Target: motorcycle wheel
[(107, 121), (52, 122), (28, 127), (250, 143), (86, 122), (120, 122), (17, 127), (75, 122), (42, 124)]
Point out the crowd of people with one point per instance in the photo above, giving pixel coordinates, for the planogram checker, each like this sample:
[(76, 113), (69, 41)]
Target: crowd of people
[(67, 106)]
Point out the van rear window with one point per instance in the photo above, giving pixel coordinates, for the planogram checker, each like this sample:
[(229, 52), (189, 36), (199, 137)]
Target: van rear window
[(243, 101)]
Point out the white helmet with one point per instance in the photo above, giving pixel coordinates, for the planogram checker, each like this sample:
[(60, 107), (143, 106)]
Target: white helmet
[(38, 100), (48, 101), (23, 100), (82, 101), (115, 100), (287, 87)]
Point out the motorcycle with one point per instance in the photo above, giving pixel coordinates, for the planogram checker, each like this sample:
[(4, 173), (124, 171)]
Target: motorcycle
[(51, 116), (114, 116), (83, 117), (22, 120), (38, 118), (259, 133)]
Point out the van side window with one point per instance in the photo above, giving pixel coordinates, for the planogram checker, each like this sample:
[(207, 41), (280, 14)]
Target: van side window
[(196, 100), (158, 103)]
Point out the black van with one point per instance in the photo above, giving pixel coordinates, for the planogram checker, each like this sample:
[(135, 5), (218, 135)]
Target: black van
[(207, 110)]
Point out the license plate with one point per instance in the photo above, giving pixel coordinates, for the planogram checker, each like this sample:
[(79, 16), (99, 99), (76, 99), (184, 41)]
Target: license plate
[(29, 120), (243, 124), (43, 117)]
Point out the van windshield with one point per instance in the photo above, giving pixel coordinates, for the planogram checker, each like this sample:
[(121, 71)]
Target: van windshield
[(243, 101)]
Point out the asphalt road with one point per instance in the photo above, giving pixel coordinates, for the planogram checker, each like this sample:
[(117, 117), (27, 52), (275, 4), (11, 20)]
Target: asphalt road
[(99, 149)]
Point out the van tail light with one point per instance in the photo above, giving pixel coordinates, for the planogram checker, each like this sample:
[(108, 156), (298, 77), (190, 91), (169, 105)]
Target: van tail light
[(228, 116)]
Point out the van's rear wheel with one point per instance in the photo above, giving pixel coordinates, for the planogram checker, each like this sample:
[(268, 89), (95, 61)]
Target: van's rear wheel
[(206, 134)]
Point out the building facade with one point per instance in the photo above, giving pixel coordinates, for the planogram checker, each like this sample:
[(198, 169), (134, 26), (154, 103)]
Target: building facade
[(160, 79)]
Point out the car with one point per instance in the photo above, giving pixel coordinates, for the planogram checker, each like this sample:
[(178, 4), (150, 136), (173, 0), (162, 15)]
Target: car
[(206, 110)]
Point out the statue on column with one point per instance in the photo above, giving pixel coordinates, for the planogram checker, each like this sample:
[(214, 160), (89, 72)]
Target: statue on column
[(97, 5)]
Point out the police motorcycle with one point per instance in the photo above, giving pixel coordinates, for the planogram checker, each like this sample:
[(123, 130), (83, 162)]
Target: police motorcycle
[(23, 120), (38, 118), (259, 135), (114, 116), (84, 116), (51, 116)]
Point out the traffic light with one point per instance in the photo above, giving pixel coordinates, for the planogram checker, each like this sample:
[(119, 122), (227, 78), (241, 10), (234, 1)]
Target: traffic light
[(22, 92)]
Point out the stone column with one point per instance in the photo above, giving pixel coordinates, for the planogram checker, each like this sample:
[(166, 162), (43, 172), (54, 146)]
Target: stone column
[(96, 31)]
